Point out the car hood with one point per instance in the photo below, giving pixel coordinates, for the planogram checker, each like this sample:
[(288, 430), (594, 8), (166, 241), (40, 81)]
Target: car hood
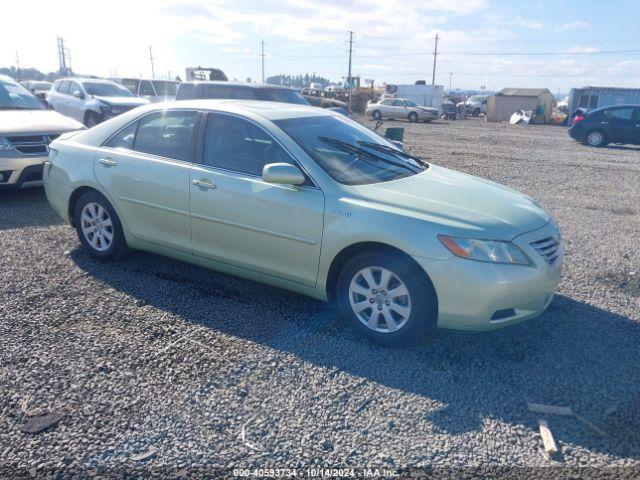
[(35, 122), (466, 205), (428, 109), (123, 101)]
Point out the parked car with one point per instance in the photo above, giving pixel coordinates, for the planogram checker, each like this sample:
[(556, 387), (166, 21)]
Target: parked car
[(475, 105), (312, 201), (27, 127), (151, 89), (91, 100), (236, 90), (597, 128), (39, 88), (449, 110), (401, 108)]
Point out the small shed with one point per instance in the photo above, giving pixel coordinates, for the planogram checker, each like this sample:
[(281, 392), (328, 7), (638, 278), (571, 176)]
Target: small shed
[(590, 98), (502, 105)]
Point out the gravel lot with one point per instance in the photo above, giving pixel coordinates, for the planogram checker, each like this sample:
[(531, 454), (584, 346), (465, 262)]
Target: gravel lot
[(217, 373)]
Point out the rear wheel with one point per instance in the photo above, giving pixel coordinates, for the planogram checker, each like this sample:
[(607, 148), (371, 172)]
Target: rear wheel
[(99, 227), (596, 138), (387, 298), (413, 117), (376, 115)]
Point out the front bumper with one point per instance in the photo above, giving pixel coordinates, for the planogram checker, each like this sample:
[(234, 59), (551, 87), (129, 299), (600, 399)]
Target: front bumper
[(481, 296), (429, 115), (21, 171)]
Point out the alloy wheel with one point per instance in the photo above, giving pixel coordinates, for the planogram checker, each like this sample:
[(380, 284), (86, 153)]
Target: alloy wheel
[(595, 139), (97, 226), (380, 299)]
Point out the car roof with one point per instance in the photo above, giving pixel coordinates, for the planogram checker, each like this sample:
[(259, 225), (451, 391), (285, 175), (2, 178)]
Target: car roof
[(255, 86), (86, 79), (269, 110), (6, 78)]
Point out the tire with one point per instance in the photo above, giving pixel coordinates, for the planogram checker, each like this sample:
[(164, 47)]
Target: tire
[(413, 117), (95, 221), (382, 318), (92, 119), (476, 112), (376, 115), (595, 138)]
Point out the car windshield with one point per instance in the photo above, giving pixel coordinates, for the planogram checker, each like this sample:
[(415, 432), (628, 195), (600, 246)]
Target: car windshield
[(165, 88), (103, 89), (14, 96), (349, 152), (475, 98), (280, 95)]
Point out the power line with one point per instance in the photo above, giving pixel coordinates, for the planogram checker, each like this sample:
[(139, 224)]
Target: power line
[(262, 55)]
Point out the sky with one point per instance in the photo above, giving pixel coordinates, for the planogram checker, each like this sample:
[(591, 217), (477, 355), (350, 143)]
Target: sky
[(557, 44)]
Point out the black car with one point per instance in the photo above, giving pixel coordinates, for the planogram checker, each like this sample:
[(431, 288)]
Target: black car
[(619, 124), (240, 91)]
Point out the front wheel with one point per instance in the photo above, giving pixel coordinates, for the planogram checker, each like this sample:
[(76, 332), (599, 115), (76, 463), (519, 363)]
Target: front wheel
[(99, 227), (387, 299), (413, 117), (92, 119), (377, 115)]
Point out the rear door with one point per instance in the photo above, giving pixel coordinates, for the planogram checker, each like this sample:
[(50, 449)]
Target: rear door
[(619, 124), (239, 219), (145, 168), (59, 98), (636, 136), (75, 104)]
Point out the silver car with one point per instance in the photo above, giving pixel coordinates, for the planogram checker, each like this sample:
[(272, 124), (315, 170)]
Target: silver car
[(401, 108), (91, 100)]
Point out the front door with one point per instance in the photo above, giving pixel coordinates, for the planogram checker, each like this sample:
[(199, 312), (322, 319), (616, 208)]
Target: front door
[(75, 102), (239, 219), (145, 168), (620, 124)]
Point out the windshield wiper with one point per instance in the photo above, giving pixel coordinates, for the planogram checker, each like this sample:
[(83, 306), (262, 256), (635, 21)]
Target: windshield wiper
[(393, 151), (361, 152)]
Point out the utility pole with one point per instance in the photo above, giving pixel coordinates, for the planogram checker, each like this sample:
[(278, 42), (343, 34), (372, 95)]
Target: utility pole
[(262, 55), (153, 72), (349, 80), (435, 55), (18, 66), (450, 77), (62, 57)]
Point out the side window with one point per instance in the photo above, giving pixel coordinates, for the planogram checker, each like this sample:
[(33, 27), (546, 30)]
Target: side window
[(619, 115), (74, 87), (146, 88), (124, 138), (217, 91), (167, 134), (398, 103), (243, 94), (63, 87), (131, 85), (238, 145), (387, 102)]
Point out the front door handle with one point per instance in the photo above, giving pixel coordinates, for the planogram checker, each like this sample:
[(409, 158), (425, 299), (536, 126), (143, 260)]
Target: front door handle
[(109, 162), (604, 123), (204, 183)]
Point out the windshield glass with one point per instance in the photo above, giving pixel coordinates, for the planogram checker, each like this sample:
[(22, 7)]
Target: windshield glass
[(102, 89), (280, 95), (164, 88), (339, 146), (475, 99), (14, 96)]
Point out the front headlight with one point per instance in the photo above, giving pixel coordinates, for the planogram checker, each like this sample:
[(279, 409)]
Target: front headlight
[(5, 146), (495, 251)]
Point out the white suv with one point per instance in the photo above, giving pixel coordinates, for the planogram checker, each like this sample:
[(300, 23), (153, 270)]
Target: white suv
[(91, 100), (26, 128)]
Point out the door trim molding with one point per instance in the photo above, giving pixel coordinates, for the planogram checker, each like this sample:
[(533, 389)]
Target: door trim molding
[(153, 205)]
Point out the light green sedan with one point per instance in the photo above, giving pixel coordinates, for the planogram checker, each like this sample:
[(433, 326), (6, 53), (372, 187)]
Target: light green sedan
[(308, 200)]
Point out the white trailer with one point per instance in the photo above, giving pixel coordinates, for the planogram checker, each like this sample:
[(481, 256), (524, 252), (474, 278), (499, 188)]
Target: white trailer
[(425, 95)]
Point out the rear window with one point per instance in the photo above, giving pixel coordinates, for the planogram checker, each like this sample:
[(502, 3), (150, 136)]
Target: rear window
[(186, 91), (280, 95)]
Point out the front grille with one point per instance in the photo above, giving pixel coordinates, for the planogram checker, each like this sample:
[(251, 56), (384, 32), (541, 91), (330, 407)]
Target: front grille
[(549, 248), (32, 144)]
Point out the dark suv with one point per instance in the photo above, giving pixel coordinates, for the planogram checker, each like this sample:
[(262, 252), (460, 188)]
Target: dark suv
[(619, 124), (240, 91)]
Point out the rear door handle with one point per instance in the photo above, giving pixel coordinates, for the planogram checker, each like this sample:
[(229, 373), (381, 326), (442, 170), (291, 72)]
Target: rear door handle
[(204, 183), (109, 162), (604, 123)]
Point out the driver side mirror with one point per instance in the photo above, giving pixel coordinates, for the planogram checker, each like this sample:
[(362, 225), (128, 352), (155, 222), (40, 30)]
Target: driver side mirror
[(282, 173), (78, 94)]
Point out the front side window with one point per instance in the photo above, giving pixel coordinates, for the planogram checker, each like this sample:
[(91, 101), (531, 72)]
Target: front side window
[(14, 96), (167, 134), (398, 103), (63, 87), (104, 89), (410, 103), (146, 88), (130, 84), (73, 88), (350, 153), (236, 144)]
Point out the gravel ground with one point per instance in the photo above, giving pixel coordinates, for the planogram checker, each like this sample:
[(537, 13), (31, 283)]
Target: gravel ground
[(218, 373)]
